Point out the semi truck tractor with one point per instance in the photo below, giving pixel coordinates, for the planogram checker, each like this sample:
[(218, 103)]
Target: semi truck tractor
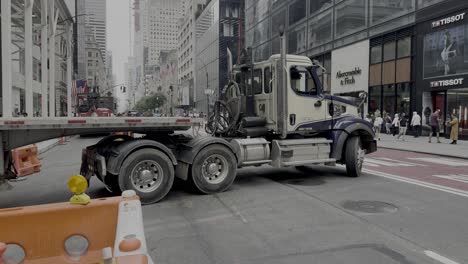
[(273, 113)]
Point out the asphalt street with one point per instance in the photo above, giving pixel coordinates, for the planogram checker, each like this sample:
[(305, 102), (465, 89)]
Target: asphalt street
[(407, 208)]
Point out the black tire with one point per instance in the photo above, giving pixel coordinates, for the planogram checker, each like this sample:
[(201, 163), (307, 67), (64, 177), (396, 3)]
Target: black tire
[(156, 164), (222, 176), (112, 184), (354, 157), (303, 168)]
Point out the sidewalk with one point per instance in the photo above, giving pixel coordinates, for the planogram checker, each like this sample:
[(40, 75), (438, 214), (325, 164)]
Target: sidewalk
[(46, 145), (421, 145)]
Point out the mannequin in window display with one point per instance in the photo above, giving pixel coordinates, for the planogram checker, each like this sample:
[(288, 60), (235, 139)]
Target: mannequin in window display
[(448, 54)]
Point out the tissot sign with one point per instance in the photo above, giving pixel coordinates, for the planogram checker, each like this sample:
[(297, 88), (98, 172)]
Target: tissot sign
[(350, 68), (448, 20), (447, 83)]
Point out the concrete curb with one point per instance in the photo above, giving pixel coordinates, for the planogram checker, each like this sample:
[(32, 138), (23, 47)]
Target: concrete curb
[(426, 152), (48, 147)]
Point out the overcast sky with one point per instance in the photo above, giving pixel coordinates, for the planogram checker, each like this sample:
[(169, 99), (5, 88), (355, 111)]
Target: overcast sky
[(118, 35)]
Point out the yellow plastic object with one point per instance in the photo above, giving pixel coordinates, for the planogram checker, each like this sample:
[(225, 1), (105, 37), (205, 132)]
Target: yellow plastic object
[(78, 186)]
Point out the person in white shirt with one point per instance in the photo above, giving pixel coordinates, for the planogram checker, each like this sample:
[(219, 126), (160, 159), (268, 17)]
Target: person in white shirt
[(378, 125), (416, 123), (396, 125)]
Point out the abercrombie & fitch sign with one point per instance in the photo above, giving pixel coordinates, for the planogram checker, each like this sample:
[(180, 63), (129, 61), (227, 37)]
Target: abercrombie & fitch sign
[(348, 77), (448, 20)]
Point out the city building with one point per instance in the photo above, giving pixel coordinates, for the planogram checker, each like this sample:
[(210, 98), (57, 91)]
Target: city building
[(95, 15), (130, 82), (218, 28), (36, 67), (96, 73), (407, 54), (186, 39)]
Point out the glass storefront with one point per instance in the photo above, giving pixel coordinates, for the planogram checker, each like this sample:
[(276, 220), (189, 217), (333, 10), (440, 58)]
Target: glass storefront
[(457, 104)]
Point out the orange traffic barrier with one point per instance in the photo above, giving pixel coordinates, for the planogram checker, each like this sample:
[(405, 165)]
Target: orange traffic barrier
[(26, 161), (62, 141)]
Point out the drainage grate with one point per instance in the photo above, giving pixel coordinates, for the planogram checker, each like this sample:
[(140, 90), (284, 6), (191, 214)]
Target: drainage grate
[(370, 207)]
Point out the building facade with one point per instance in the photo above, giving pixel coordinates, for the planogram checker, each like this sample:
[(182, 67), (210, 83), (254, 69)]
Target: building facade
[(218, 28), (96, 74), (37, 64), (413, 59), (95, 15)]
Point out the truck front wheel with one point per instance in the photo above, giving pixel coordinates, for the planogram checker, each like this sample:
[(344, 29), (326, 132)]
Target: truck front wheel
[(354, 157), (214, 169), (149, 172)]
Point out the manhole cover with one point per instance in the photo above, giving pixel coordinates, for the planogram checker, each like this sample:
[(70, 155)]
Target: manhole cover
[(370, 207)]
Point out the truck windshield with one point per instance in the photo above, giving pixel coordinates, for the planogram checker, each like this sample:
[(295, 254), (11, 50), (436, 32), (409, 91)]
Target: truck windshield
[(302, 81)]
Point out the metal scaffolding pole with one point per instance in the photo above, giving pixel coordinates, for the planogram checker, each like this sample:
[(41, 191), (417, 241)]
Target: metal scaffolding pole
[(44, 56), (28, 57), (6, 59), (69, 69), (53, 21)]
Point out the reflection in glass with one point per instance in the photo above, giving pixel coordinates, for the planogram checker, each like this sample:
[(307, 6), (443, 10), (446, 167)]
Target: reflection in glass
[(384, 10), (426, 3), (297, 11), (375, 95), (404, 47), (457, 103), (350, 16), (319, 5), (277, 20), (320, 29), (403, 98), (376, 54), (389, 51), (297, 40), (262, 32), (389, 99)]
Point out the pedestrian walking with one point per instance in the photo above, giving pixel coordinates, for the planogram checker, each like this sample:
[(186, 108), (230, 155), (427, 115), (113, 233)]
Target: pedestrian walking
[(454, 123), (416, 123), (378, 126), (388, 124), (435, 126), (403, 126), (396, 125)]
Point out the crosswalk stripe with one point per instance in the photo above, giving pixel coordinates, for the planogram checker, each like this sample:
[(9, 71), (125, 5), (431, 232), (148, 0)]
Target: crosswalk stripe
[(442, 161)]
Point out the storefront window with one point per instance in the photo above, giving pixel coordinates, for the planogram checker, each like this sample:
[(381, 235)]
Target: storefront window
[(389, 99), (350, 17), (297, 11), (320, 29), (376, 54), (444, 52), (403, 98), (457, 103), (382, 11), (375, 96), (389, 51), (319, 5), (404, 47)]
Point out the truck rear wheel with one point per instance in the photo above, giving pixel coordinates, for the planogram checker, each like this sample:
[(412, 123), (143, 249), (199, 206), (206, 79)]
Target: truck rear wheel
[(149, 172), (213, 170), (354, 157)]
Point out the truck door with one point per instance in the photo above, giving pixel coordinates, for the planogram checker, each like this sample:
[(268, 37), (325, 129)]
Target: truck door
[(306, 110), (262, 87)]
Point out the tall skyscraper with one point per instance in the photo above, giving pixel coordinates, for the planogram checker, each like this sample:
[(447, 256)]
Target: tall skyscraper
[(95, 17)]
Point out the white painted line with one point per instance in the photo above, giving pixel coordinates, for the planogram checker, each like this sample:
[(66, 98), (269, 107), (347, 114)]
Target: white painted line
[(439, 258), (386, 163), (454, 177), (404, 162), (370, 164), (443, 161), (238, 213), (419, 183)]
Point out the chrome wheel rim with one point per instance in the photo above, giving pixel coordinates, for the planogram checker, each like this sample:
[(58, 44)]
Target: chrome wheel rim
[(146, 176), (215, 169)]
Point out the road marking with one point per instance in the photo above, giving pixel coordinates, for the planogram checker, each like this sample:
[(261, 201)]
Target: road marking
[(404, 162), (417, 182), (370, 164), (454, 177), (442, 161), (439, 258), (388, 163)]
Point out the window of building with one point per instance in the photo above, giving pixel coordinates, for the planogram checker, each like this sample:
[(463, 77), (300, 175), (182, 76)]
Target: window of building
[(403, 98), (350, 17), (404, 47), (319, 5), (90, 54), (376, 54), (320, 29), (389, 99), (297, 11), (375, 99), (426, 3), (257, 81), (389, 50), (277, 20), (382, 11), (267, 80), (297, 40), (262, 32)]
